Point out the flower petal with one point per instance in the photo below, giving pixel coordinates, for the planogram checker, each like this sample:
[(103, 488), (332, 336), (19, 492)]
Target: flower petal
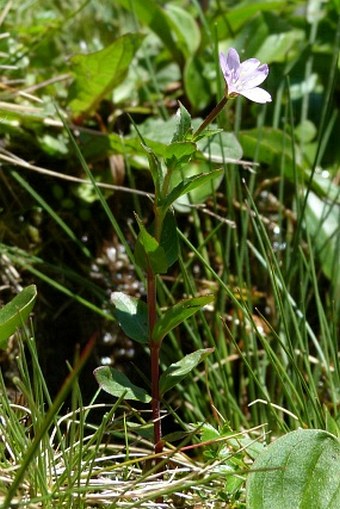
[(233, 62), (224, 65), (257, 94), (255, 77), (250, 65)]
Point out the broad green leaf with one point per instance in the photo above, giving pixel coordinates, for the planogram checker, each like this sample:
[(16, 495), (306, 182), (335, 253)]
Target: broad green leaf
[(97, 74), (221, 148), (159, 130), (315, 11), (132, 315), (151, 14), (236, 441), (322, 221), (306, 131), (96, 147), (178, 313), (178, 153), (269, 146), (13, 314), (269, 37), (185, 29), (331, 424), (275, 47), (176, 372), (117, 384), (274, 148), (149, 255), (55, 146), (183, 127), (169, 238), (199, 193), (253, 447), (189, 184), (299, 470), (208, 432), (156, 134), (196, 84), (231, 21)]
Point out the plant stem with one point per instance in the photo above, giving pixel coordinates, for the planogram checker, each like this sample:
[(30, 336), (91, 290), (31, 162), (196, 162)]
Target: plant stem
[(154, 352), (156, 408), (212, 115)]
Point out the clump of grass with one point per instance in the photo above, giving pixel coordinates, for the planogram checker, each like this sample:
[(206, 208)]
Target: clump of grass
[(52, 452)]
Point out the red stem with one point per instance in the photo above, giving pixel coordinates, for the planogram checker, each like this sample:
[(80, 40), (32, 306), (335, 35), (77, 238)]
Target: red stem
[(156, 403), (154, 352), (212, 115)]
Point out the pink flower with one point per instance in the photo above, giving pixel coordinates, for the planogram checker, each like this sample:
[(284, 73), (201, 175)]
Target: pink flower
[(244, 78)]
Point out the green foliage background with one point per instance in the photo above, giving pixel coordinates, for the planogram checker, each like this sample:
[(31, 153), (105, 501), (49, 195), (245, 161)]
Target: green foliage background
[(263, 235)]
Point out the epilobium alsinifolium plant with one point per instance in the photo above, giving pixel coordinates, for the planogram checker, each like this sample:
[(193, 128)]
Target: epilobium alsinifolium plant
[(156, 247)]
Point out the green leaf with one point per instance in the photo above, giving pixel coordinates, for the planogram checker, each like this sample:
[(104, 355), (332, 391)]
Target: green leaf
[(221, 147), (132, 315), (331, 424), (185, 29), (189, 184), (306, 131), (274, 148), (175, 373), (322, 221), (197, 86), (178, 313), (156, 134), (155, 168), (299, 470), (183, 127), (276, 46), (54, 146), (117, 384), (149, 255), (16, 312), (152, 15), (199, 193), (208, 432), (169, 238), (236, 17), (97, 74), (178, 153), (159, 130)]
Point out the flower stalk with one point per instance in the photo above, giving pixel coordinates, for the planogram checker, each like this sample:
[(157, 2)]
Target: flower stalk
[(211, 117), (154, 354)]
